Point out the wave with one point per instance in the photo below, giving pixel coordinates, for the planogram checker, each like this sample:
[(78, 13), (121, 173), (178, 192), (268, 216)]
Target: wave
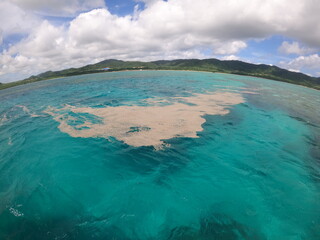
[(27, 111)]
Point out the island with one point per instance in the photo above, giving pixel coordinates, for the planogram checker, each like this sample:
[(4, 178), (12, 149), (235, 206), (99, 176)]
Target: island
[(208, 65)]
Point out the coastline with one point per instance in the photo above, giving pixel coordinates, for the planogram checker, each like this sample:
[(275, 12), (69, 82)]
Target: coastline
[(23, 82), (213, 73)]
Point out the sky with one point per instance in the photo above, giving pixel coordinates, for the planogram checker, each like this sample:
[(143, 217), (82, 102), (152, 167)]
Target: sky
[(41, 35)]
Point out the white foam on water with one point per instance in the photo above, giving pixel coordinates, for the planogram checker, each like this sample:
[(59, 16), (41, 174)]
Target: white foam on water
[(10, 141), (3, 119), (27, 111), (15, 212)]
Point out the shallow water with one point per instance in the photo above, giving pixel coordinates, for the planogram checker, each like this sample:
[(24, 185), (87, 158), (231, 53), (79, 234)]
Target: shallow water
[(253, 173)]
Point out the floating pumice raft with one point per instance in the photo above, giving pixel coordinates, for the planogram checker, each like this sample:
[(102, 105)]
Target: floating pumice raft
[(146, 125)]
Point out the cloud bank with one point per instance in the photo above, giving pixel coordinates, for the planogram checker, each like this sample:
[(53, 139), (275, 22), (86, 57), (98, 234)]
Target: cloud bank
[(162, 30), (58, 7), (294, 48), (303, 62)]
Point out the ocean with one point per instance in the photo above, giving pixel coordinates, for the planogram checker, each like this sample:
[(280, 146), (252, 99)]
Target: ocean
[(160, 155)]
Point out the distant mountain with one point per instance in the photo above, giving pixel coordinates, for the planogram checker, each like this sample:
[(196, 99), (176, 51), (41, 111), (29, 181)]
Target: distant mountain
[(209, 65)]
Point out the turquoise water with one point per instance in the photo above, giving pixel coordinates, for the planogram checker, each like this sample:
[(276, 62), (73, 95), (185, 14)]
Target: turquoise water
[(252, 174)]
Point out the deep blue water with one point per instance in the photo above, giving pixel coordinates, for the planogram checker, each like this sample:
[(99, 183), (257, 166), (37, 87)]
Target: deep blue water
[(252, 174)]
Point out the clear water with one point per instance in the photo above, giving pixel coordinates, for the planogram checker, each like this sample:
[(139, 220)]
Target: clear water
[(252, 174)]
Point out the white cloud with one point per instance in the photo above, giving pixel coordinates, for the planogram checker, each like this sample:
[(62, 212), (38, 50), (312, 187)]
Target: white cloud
[(293, 70), (294, 48), (229, 47), (311, 61), (14, 20), (306, 64), (230, 57), (163, 30), (1, 37), (148, 2), (97, 35), (58, 7)]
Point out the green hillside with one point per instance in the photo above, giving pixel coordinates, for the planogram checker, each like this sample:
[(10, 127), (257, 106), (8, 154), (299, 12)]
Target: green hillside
[(210, 65)]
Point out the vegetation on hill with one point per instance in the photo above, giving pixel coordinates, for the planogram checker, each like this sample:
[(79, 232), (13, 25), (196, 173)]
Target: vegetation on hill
[(210, 65)]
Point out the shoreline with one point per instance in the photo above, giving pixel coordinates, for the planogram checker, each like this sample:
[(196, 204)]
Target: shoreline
[(139, 70), (269, 79)]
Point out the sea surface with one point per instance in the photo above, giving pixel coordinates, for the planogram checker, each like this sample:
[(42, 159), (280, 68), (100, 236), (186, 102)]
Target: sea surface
[(252, 172)]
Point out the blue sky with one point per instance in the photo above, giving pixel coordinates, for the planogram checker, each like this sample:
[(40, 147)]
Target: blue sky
[(122, 7), (38, 35)]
